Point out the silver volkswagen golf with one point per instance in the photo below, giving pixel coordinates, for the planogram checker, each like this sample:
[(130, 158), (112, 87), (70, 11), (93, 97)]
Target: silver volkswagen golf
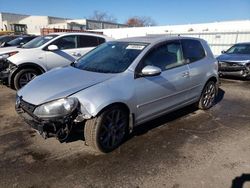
[(119, 85)]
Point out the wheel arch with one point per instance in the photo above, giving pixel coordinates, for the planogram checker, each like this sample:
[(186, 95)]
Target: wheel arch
[(35, 66), (215, 80), (212, 78), (121, 104)]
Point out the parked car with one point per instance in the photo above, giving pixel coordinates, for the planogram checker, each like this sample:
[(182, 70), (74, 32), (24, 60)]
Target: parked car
[(235, 61), (21, 40), (44, 53), (7, 38), (10, 48), (120, 85)]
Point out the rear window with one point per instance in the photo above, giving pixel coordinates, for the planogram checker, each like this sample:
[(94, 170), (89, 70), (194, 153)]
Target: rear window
[(89, 41), (66, 42), (192, 50)]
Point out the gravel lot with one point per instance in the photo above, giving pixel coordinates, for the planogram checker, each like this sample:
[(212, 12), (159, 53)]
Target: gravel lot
[(187, 148)]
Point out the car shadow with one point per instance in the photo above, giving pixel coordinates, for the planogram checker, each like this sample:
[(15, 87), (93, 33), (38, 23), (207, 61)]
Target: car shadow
[(144, 128), (219, 96), (239, 182), (235, 78), (77, 132)]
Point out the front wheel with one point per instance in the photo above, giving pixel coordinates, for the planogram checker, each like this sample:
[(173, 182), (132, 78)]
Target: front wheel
[(107, 131), (23, 77), (208, 95)]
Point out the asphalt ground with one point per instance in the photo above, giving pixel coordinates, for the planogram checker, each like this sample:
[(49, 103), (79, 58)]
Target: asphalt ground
[(186, 148)]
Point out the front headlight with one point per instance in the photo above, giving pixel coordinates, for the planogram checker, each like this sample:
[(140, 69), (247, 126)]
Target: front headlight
[(57, 108), (6, 55)]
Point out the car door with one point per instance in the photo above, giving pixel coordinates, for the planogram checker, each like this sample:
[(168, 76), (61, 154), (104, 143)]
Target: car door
[(66, 53), (157, 94), (195, 57)]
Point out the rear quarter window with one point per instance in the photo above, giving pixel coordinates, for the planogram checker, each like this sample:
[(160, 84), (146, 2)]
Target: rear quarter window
[(192, 50), (89, 41)]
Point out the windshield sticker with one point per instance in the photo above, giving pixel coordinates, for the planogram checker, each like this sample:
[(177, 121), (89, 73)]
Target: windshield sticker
[(135, 47)]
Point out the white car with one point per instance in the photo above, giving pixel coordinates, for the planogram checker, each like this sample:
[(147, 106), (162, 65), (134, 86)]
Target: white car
[(44, 53)]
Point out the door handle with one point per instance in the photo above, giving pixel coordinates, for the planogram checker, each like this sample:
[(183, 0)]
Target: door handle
[(185, 74), (76, 54)]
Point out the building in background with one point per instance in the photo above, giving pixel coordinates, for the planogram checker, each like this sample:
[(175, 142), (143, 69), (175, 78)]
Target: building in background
[(33, 24), (219, 35)]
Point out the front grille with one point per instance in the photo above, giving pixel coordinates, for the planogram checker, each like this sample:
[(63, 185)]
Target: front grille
[(27, 107), (230, 66), (3, 64)]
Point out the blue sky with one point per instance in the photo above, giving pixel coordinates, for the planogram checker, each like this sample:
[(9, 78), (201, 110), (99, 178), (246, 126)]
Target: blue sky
[(164, 12)]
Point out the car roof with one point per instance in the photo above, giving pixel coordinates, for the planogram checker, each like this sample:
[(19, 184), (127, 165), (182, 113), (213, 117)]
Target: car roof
[(77, 33), (155, 38)]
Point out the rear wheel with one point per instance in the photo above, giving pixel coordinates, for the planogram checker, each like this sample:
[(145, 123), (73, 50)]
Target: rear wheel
[(208, 95), (23, 77), (108, 130)]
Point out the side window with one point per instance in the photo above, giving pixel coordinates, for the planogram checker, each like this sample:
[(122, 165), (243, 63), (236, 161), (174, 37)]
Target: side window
[(89, 41), (67, 42), (192, 50), (101, 40), (165, 56), (27, 39)]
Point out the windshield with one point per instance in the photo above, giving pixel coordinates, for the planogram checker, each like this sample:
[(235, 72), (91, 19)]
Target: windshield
[(18, 41), (111, 57), (239, 49), (7, 38), (39, 41), (15, 42)]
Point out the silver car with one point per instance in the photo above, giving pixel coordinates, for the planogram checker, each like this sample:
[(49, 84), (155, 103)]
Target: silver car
[(120, 85)]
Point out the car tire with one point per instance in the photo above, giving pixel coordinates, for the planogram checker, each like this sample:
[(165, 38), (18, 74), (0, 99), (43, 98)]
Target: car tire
[(108, 130), (208, 95), (23, 77)]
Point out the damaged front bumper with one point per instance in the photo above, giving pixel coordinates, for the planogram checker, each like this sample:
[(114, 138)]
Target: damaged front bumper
[(6, 70), (54, 127), (234, 69)]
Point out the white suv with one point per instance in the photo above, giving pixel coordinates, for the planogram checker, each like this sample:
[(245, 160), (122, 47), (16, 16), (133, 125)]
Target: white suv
[(47, 52)]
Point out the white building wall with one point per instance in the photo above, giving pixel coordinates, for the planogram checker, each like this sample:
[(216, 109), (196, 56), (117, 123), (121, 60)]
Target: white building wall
[(1, 22), (9, 18), (56, 20), (79, 21), (175, 29), (35, 23), (59, 26)]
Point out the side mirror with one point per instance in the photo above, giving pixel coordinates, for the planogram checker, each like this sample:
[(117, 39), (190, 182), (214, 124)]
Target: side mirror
[(21, 44), (150, 71), (223, 51), (53, 47)]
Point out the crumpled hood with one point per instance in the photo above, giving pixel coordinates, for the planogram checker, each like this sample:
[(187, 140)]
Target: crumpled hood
[(59, 83), (240, 58)]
